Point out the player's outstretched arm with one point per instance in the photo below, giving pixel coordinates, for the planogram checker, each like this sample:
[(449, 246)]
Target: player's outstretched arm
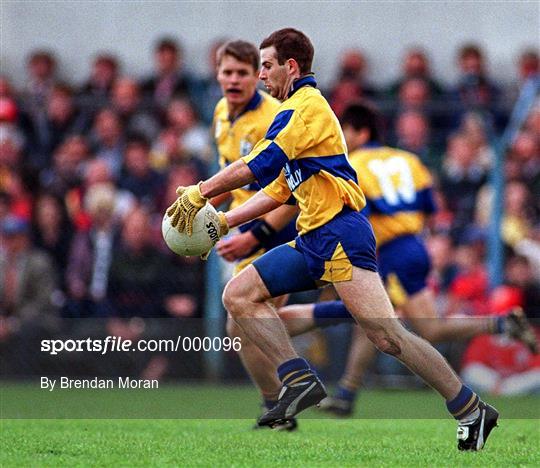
[(258, 205), (232, 177)]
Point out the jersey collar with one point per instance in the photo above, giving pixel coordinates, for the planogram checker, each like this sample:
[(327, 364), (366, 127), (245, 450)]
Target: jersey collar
[(253, 103), (308, 80)]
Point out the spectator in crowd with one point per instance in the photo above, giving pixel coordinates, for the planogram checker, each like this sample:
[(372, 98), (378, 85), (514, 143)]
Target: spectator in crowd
[(443, 219), (41, 70), (8, 110), (529, 248), (532, 123), (14, 182), (62, 119), (520, 275), (523, 161), (500, 366), (468, 292), (12, 140), (413, 134), (519, 214), (461, 178), (193, 136), (494, 363), (351, 84), (169, 78), (27, 275), (138, 177), (474, 89), (443, 267), (52, 232), (28, 306), (108, 142), (87, 271), (135, 285), (414, 94), (527, 68), (65, 173), (97, 89), (473, 127), (6, 89), (528, 64), (96, 172), (416, 65), (135, 118), (165, 150), (180, 174)]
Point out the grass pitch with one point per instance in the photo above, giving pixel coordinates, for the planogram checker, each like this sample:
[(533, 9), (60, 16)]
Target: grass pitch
[(387, 441)]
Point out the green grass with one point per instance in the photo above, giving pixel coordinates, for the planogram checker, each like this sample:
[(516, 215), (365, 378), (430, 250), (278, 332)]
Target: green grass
[(231, 442)]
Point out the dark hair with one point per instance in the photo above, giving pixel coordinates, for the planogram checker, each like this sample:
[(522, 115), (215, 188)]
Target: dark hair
[(168, 43), (470, 49), (42, 54), (291, 43), (361, 115), (530, 54), (242, 51), (107, 59)]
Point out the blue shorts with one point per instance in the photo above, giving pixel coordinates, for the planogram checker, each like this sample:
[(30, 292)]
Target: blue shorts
[(404, 266), (324, 255)]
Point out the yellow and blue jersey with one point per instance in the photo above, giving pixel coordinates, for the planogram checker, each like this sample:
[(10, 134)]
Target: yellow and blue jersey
[(398, 191), (304, 153), (236, 138)]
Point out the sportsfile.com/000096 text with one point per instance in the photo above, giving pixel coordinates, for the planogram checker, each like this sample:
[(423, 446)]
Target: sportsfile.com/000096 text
[(118, 344)]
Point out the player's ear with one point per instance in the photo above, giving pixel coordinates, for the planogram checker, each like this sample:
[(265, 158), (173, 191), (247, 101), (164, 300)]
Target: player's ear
[(292, 66)]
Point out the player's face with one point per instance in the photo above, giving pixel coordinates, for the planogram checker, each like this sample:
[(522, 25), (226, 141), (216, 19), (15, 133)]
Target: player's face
[(349, 133), (238, 80), (273, 75)]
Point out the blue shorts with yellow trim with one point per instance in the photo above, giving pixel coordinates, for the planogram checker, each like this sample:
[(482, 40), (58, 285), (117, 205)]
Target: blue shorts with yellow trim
[(324, 255), (404, 265)]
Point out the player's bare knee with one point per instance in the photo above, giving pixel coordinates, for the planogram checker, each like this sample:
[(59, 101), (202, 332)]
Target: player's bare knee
[(385, 342), (232, 297)]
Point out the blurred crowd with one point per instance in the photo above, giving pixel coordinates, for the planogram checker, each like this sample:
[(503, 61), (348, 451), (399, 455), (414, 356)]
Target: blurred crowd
[(86, 171)]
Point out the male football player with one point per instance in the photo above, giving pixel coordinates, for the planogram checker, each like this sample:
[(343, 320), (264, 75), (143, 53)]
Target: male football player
[(241, 119), (304, 155)]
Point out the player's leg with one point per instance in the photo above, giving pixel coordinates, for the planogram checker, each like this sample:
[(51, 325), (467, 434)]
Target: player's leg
[(367, 301), (420, 311), (260, 369), (246, 297), (247, 300), (301, 318)]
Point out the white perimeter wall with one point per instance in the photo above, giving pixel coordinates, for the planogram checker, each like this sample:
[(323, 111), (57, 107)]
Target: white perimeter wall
[(76, 30)]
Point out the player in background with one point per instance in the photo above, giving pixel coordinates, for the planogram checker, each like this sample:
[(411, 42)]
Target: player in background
[(304, 155), (398, 190), (241, 119)]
